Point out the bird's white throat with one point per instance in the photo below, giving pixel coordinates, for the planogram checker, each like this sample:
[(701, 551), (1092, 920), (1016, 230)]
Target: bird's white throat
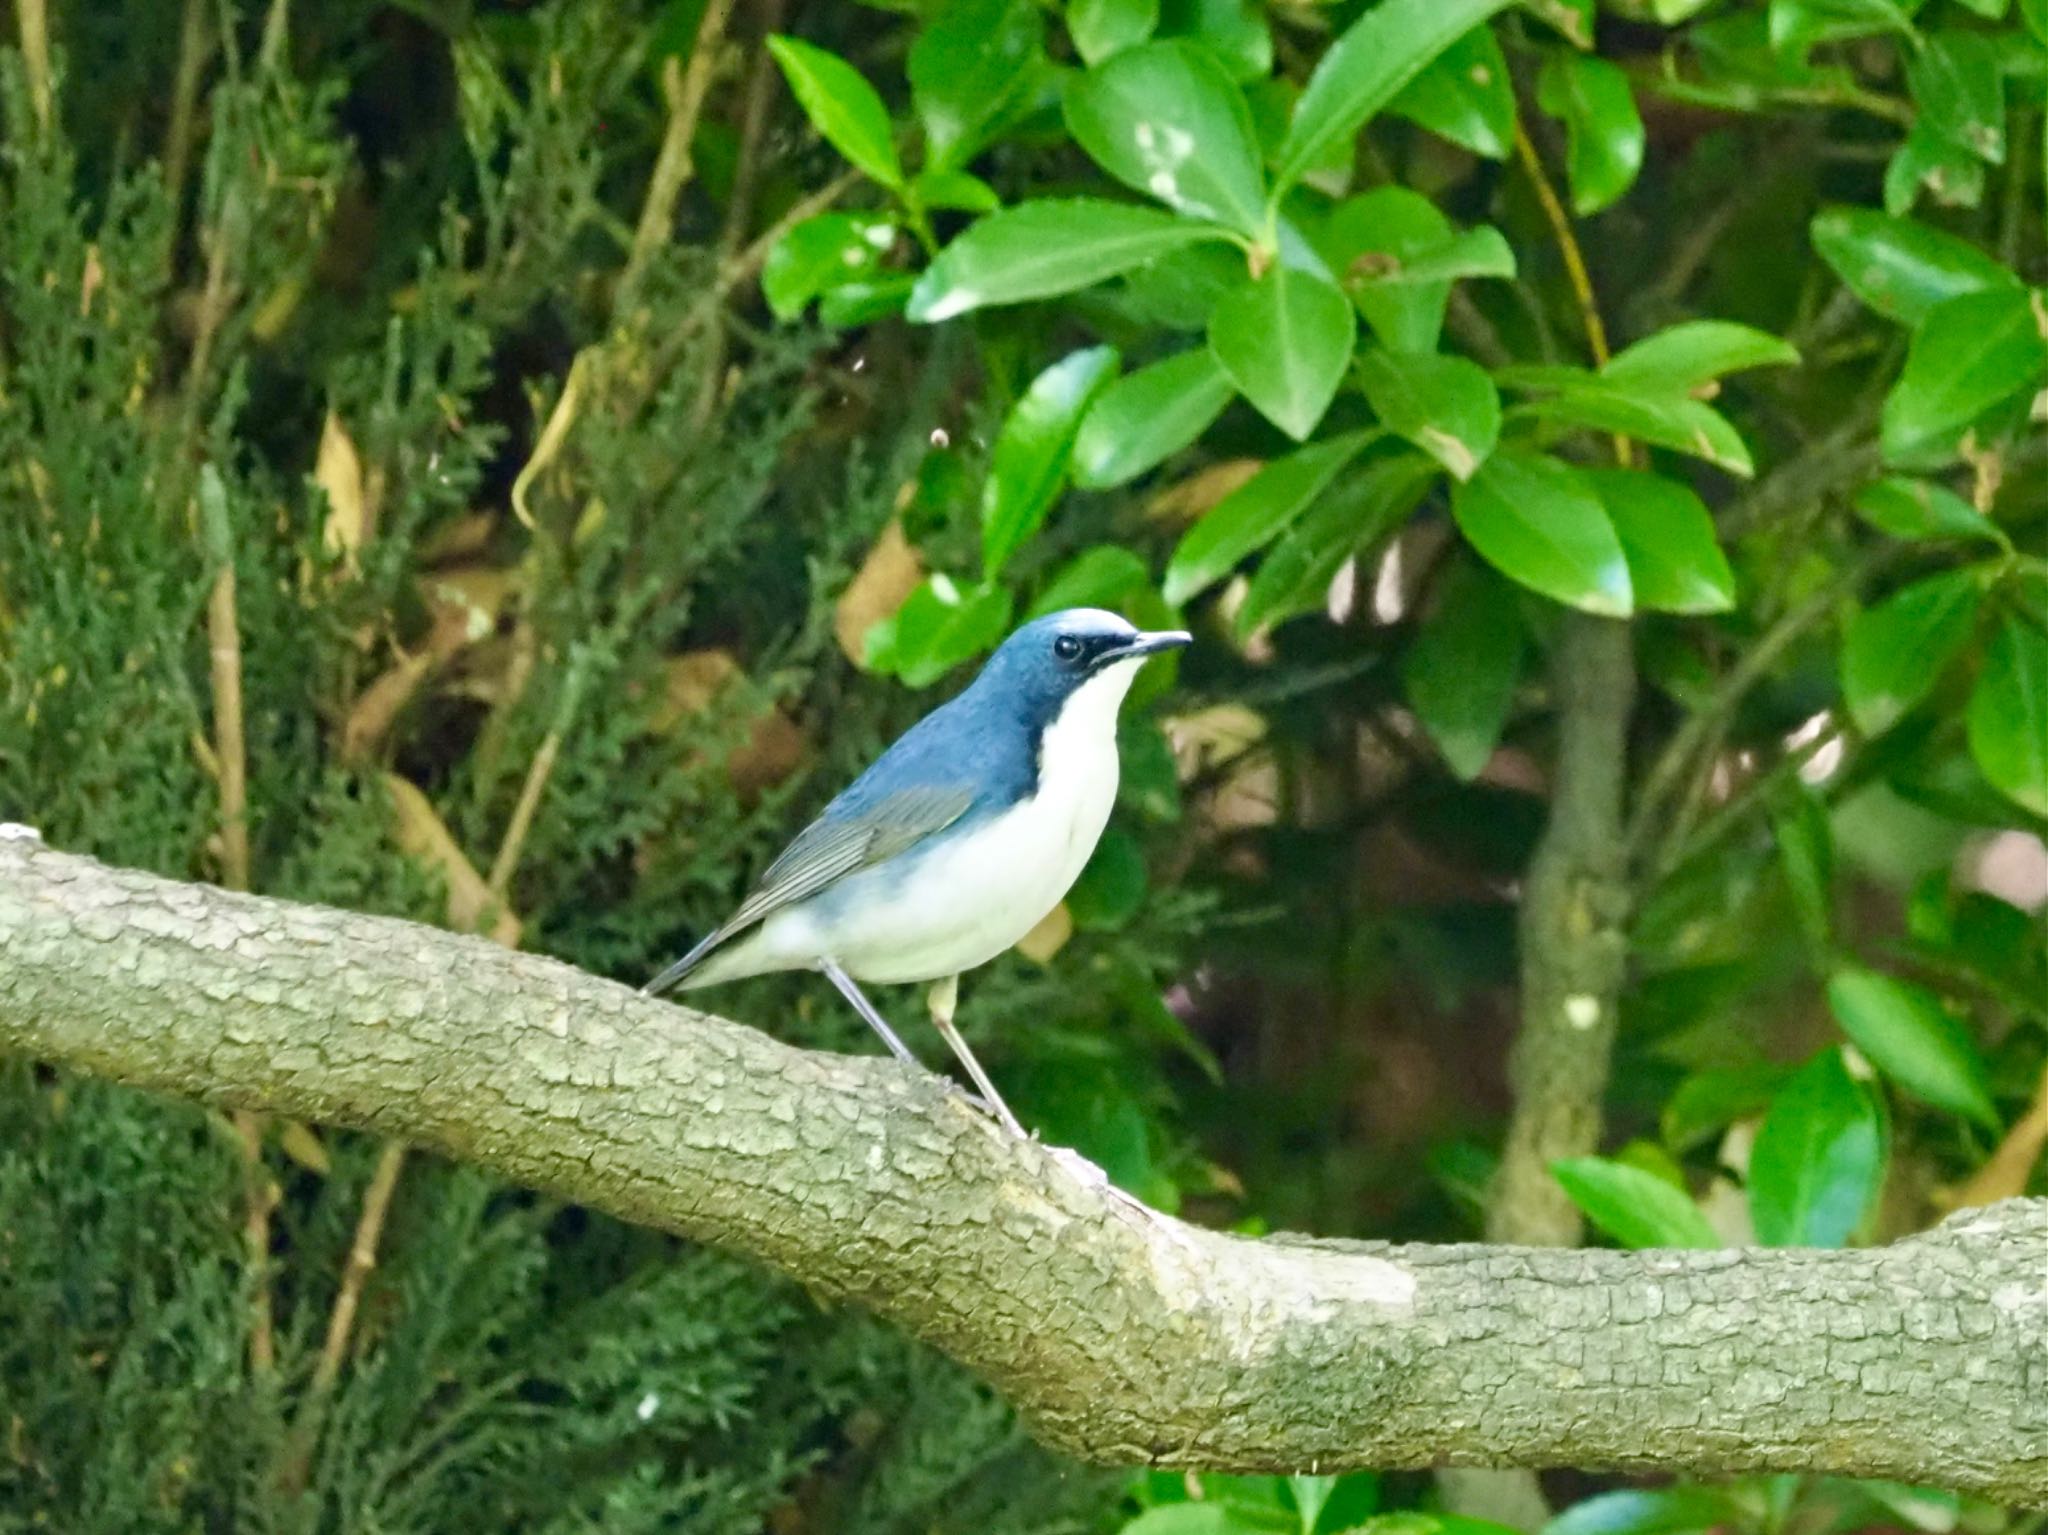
[(1086, 724)]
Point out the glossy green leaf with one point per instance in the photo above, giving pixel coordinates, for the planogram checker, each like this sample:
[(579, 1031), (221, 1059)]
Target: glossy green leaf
[(1682, 357), (1363, 508), (1382, 232), (1285, 340), (1636, 1208), (1921, 509), (1958, 82), (1908, 1035), (1111, 887), (2035, 14), (1099, 577), (1164, 119), (1669, 420), (2008, 718), (1900, 267), (1203, 1518), (1603, 131), (1643, 1511), (1101, 28), (1466, 95), (1928, 162), (1971, 352), (1818, 1159), (1709, 1101), (1367, 67), (864, 300), (1806, 852), (938, 627), (1236, 32), (1045, 247), (1480, 252), (1675, 563), (1445, 405), (1030, 460), (976, 66), (1895, 652), (820, 254), (1255, 514), (841, 105), (1460, 672), (1539, 522), (954, 189), (1147, 416)]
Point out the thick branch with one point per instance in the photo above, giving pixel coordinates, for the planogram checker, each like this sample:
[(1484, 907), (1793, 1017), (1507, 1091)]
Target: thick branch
[(1119, 1336)]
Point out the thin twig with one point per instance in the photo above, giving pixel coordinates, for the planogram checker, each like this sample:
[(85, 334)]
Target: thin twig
[(684, 91), (277, 34), (35, 58), (194, 40), (506, 864)]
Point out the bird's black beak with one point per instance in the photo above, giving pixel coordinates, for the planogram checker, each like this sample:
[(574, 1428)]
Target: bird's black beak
[(1145, 644)]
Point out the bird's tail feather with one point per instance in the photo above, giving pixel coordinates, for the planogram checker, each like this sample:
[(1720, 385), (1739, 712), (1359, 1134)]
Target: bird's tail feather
[(675, 974)]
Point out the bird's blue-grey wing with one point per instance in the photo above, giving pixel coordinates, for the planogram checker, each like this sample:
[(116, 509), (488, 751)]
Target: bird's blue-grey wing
[(854, 833)]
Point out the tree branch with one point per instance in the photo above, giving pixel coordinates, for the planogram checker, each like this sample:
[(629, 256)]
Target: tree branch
[(1119, 1336)]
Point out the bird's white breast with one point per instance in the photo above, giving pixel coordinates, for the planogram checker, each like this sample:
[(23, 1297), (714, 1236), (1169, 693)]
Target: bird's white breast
[(979, 891)]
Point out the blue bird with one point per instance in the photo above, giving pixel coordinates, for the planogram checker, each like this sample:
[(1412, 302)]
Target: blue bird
[(957, 841)]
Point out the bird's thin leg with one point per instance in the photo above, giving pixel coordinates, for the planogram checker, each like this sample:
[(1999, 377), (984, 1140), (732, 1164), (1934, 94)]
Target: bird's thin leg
[(866, 1009), (942, 998)]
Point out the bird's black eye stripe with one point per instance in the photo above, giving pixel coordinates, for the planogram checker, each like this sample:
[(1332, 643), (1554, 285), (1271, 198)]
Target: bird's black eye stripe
[(1066, 647)]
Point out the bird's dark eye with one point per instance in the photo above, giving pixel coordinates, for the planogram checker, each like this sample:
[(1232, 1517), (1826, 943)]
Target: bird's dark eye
[(1066, 647)]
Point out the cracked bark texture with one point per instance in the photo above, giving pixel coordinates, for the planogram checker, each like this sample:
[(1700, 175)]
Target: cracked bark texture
[(1119, 1336)]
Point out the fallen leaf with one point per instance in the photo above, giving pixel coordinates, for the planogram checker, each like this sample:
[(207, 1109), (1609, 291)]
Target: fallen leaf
[(1049, 937), (2006, 1173), (424, 836), (338, 470), (369, 718), (885, 580), (1185, 500), (775, 745), (303, 1146)]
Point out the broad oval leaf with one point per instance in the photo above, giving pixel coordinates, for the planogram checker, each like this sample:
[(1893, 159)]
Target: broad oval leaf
[(1285, 340), (1101, 28), (1900, 267), (1386, 231), (1603, 131), (1461, 671), (1539, 522), (1379, 54), (1099, 577), (1668, 419), (1664, 1511), (938, 627), (1895, 652), (1637, 1208), (1447, 406), (1466, 95), (1686, 355), (1255, 514), (821, 254), (1921, 509), (1147, 416), (1031, 453), (1818, 1159), (1675, 563), (976, 66), (2008, 719), (1970, 353), (1164, 119), (1050, 246), (1357, 513), (841, 105), (1958, 83), (1909, 1036)]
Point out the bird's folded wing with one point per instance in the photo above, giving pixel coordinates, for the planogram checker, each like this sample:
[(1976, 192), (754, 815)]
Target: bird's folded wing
[(835, 846)]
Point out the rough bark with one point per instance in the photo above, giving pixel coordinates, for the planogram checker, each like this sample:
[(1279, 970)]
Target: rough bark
[(1120, 1336)]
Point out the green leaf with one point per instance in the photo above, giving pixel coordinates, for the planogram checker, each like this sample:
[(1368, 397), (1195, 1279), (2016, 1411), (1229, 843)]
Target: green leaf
[(954, 189), (820, 254), (1636, 1208), (1255, 514), (1669, 420), (1466, 95), (1164, 119), (1234, 31), (1446, 406), (937, 628), (1969, 354), (1910, 1037), (1684, 356), (1150, 780), (1539, 522), (1480, 252), (1100, 28), (1603, 131), (1356, 513), (1665, 1511), (1675, 564), (1460, 673), (975, 66), (842, 106), (1038, 249), (1147, 416), (1100, 577), (1806, 851), (1385, 231), (1111, 888), (1367, 67), (1900, 267), (865, 300), (1921, 509), (1895, 652), (1818, 1159), (1031, 453), (1285, 341), (1958, 82), (1927, 161), (1203, 1518), (2008, 719)]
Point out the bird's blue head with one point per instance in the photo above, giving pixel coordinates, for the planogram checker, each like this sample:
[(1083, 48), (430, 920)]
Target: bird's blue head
[(1078, 657)]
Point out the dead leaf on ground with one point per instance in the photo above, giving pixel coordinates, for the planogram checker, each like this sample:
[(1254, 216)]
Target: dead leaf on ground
[(338, 470), (1049, 936), (1185, 500), (2006, 1174), (884, 582), (302, 1144), (465, 603), (774, 746), (370, 717), (424, 836)]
